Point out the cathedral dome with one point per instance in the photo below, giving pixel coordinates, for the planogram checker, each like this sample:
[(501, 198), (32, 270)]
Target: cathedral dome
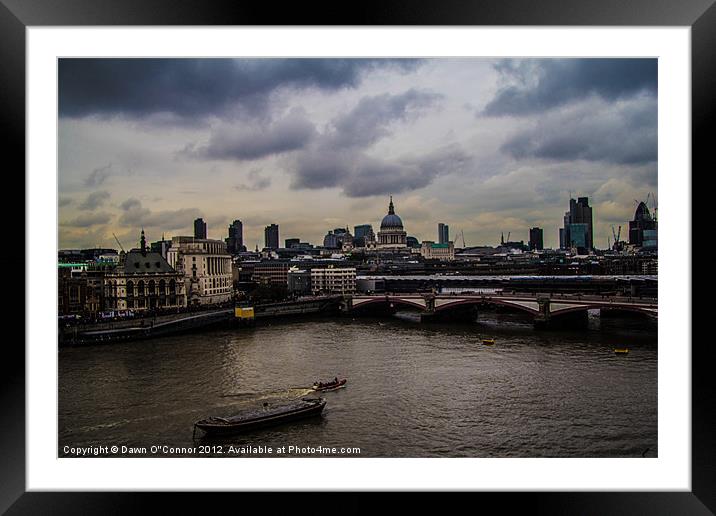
[(391, 220)]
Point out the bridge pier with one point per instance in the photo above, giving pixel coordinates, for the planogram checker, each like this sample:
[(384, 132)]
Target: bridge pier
[(541, 320)]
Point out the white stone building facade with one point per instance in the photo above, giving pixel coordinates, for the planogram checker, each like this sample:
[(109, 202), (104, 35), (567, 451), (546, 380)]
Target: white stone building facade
[(206, 266), (333, 280)]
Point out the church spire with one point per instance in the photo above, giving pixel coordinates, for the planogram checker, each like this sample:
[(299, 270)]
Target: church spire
[(391, 209), (143, 243)]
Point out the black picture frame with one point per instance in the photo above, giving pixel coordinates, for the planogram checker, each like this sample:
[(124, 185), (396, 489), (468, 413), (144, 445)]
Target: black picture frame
[(17, 15)]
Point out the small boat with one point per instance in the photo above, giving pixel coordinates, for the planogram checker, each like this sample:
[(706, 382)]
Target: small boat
[(259, 417), (329, 386), (621, 351), (488, 342)]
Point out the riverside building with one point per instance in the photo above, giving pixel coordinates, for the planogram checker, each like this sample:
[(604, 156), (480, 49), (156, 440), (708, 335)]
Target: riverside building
[(333, 280), (432, 251), (143, 280), (206, 269)]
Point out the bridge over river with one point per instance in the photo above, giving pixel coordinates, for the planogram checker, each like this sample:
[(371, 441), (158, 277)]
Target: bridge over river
[(544, 308)]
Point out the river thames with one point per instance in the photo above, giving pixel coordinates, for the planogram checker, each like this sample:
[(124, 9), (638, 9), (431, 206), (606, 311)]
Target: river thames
[(414, 390)]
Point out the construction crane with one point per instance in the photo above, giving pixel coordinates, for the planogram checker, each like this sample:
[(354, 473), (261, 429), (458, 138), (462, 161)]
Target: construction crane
[(120, 243)]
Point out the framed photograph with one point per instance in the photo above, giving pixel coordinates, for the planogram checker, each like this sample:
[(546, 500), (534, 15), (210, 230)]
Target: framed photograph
[(413, 251)]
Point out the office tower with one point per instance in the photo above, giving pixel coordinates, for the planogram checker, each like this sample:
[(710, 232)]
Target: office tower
[(578, 230), (362, 230), (235, 242), (536, 239), (643, 229), (443, 233), (271, 236), (199, 228)]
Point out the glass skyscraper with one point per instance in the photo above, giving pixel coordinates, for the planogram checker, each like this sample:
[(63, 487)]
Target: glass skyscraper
[(271, 236), (443, 233)]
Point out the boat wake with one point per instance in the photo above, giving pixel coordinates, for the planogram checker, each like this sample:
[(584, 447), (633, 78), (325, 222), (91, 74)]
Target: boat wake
[(291, 392)]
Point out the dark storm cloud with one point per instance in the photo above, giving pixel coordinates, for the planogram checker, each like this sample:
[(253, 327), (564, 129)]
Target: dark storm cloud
[(325, 169), (370, 119), (98, 175), (248, 142), (337, 158), (88, 219), (94, 200), (196, 88), (538, 85), (365, 124), (621, 133), (360, 175), (375, 177)]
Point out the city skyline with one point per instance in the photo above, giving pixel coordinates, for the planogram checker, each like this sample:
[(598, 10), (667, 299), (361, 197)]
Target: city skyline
[(484, 146)]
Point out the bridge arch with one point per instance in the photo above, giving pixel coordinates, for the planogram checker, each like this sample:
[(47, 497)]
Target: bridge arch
[(391, 302), (490, 301), (604, 306)]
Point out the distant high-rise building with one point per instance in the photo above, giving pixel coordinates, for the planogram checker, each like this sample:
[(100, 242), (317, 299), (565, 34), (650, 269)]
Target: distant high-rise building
[(536, 239), (271, 236), (291, 242), (362, 235), (199, 228), (330, 241), (443, 233), (580, 213), (643, 229), (235, 242), (362, 231), (579, 236)]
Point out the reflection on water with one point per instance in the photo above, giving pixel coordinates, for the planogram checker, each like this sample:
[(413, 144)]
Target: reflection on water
[(414, 390)]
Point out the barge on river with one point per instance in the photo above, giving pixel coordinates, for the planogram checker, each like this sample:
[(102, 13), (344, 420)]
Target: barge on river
[(269, 414)]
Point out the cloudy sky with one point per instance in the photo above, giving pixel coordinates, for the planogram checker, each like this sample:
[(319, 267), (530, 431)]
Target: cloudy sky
[(484, 145)]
